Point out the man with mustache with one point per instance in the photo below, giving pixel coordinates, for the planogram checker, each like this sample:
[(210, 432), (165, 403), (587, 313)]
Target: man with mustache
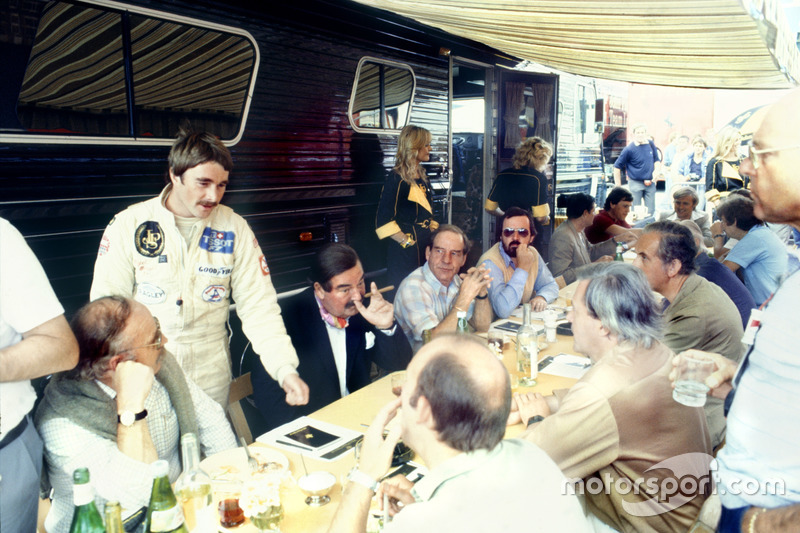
[(520, 274), (184, 256), (336, 334)]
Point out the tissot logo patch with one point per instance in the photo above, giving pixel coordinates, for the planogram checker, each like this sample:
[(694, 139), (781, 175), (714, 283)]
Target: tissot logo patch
[(217, 241), (149, 239), (214, 293), (218, 271), (148, 294)]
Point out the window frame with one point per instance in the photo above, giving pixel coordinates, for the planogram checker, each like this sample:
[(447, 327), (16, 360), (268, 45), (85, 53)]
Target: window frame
[(47, 138), (353, 91)]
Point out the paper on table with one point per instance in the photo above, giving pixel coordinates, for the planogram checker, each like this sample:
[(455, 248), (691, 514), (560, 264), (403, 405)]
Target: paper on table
[(312, 438), (568, 366), (561, 313)]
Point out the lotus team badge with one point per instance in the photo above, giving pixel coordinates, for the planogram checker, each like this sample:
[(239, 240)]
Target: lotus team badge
[(149, 239)]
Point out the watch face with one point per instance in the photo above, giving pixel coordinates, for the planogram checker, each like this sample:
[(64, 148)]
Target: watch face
[(127, 418)]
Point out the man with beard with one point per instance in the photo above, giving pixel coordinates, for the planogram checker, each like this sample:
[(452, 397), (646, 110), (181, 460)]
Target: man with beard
[(524, 274), (336, 336)]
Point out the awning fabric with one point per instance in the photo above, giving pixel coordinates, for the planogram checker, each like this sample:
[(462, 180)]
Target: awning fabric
[(730, 44)]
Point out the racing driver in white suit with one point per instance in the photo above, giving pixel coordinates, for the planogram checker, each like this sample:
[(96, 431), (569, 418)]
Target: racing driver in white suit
[(185, 256)]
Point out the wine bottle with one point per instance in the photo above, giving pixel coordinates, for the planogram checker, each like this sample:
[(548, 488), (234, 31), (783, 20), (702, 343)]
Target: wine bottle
[(86, 518), (164, 515), (193, 489), (113, 514)]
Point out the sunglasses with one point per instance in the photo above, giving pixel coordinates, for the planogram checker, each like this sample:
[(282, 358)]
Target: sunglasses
[(522, 232)]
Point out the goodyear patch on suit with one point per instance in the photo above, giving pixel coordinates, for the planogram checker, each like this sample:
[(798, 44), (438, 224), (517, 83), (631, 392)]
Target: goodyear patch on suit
[(149, 238), (214, 293), (217, 271), (216, 241)]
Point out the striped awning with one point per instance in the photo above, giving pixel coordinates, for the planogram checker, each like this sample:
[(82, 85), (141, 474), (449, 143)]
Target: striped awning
[(727, 44)]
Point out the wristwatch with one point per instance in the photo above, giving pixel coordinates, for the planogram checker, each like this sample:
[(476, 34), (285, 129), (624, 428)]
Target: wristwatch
[(128, 418), (534, 420), (357, 476)]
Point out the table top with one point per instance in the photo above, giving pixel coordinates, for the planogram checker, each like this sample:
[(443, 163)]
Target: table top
[(357, 410)]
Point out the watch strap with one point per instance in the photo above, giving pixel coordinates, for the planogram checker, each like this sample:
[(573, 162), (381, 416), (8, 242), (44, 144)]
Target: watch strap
[(357, 476), (534, 419), (136, 417)]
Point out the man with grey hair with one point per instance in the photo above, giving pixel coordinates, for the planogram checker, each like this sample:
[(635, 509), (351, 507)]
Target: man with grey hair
[(711, 269), (685, 202), (626, 400), (126, 404), (697, 313)]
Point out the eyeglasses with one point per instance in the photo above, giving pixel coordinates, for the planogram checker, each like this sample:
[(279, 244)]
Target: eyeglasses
[(755, 155), (509, 232), (156, 344)]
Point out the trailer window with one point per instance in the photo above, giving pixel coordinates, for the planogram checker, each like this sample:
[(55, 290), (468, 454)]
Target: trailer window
[(98, 74), (585, 124), (382, 95)]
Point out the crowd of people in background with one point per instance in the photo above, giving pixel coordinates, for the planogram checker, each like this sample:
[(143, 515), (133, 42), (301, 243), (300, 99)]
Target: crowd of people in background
[(147, 359)]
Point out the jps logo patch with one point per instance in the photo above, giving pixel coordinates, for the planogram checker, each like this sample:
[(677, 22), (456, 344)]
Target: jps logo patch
[(218, 271), (217, 241), (149, 239), (150, 294), (214, 293)]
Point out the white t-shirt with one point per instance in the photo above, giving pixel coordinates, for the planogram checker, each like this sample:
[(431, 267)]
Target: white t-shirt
[(26, 301)]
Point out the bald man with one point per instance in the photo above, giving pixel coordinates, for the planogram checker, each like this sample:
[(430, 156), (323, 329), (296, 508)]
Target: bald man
[(454, 408), (761, 396)]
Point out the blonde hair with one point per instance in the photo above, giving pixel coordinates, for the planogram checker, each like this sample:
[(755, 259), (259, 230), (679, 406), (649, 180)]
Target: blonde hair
[(726, 139), (412, 139), (533, 151)]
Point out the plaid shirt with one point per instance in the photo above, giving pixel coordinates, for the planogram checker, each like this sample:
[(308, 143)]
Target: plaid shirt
[(422, 302), (114, 475)]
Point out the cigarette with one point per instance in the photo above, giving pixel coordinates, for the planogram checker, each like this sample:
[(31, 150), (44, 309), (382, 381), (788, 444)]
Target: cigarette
[(387, 288)]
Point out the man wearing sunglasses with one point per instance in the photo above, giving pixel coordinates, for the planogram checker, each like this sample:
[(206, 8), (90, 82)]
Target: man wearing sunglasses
[(124, 405), (520, 274)]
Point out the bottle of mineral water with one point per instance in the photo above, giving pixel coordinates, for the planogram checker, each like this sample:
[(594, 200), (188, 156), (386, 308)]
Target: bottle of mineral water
[(462, 327), (86, 518), (164, 515)]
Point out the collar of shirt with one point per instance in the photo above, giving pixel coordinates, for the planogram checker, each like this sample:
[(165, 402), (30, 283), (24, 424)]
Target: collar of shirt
[(509, 262), (427, 273), (333, 321), (461, 464)]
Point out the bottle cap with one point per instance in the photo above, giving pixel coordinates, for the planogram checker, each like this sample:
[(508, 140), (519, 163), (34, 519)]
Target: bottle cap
[(159, 468)]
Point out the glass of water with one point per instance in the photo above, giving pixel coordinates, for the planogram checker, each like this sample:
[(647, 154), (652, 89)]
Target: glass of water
[(690, 387)]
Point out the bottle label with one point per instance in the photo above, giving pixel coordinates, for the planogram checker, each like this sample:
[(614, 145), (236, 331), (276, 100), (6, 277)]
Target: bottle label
[(166, 520), (82, 494)]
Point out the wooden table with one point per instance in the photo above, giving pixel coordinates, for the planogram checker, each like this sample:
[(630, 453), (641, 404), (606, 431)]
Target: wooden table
[(360, 408)]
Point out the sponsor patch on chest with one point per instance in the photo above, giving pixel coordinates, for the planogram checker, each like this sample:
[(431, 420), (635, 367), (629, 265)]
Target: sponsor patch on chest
[(217, 271), (149, 239), (216, 241), (214, 293), (149, 294)]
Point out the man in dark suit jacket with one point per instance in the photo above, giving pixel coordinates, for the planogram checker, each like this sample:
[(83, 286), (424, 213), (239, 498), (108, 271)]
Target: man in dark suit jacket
[(336, 337)]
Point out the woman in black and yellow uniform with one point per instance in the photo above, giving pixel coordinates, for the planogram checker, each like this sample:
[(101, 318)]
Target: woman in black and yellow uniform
[(405, 210), (722, 173)]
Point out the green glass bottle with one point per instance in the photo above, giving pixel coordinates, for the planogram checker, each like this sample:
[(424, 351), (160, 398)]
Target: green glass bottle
[(193, 489), (462, 327), (113, 513), (164, 515), (618, 255), (87, 518)]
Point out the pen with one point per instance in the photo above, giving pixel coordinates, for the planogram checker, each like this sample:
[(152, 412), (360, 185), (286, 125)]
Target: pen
[(302, 447)]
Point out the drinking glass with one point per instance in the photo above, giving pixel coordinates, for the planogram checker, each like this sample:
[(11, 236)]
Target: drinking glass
[(690, 387)]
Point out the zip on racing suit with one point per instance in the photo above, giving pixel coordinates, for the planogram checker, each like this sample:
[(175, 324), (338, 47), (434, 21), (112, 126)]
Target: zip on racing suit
[(188, 287)]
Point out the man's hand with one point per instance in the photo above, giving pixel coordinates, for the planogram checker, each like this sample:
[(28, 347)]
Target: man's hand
[(716, 228), (720, 381), (538, 303), (296, 390), (376, 452), (648, 183), (132, 382), (525, 256), (475, 282), (530, 404), (380, 313), (628, 238), (398, 489)]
